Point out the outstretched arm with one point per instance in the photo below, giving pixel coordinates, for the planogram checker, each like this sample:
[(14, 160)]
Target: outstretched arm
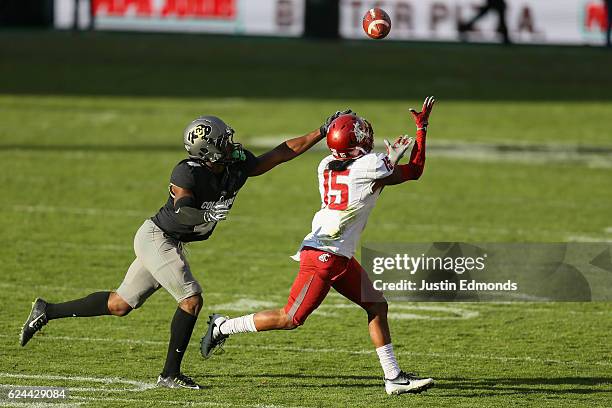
[(285, 151), (416, 165), (292, 148), (412, 170)]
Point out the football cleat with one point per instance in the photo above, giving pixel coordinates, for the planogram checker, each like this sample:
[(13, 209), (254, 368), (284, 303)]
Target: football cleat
[(35, 322), (178, 381), (213, 337), (407, 383)]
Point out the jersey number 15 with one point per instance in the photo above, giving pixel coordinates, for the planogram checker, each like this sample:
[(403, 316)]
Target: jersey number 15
[(336, 194)]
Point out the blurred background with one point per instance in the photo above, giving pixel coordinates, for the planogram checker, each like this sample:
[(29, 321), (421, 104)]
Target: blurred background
[(530, 22)]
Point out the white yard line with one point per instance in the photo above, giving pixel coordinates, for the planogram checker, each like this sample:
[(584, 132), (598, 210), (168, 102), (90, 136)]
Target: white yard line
[(138, 386), (79, 211), (529, 154), (141, 401), (587, 238), (40, 404), (98, 212), (135, 385), (79, 245), (291, 349), (83, 289), (488, 152)]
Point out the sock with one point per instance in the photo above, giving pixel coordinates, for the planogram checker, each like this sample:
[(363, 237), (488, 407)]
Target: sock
[(95, 304), (242, 324), (388, 361), (180, 333)]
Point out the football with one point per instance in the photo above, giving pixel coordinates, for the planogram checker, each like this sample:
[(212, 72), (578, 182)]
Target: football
[(377, 23)]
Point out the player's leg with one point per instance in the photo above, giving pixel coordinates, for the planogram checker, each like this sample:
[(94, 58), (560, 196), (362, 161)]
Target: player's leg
[(482, 10), (181, 329), (355, 285), (502, 27), (164, 258), (95, 304), (306, 294), (137, 285), (310, 287)]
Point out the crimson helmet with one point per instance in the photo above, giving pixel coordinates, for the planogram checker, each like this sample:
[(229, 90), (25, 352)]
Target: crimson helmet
[(349, 137)]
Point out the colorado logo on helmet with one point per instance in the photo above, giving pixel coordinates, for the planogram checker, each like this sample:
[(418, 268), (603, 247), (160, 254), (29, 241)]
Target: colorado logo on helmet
[(199, 131)]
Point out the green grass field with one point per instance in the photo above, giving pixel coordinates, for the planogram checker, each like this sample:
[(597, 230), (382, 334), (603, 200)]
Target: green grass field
[(91, 126)]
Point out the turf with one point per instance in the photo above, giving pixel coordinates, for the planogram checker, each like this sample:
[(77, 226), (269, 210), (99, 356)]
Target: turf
[(90, 128)]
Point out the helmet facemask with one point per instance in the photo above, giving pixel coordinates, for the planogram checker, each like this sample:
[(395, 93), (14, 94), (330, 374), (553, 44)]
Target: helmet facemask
[(234, 150)]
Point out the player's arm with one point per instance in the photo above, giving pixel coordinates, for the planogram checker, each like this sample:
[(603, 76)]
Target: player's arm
[(292, 148), (188, 214), (414, 169), (284, 152)]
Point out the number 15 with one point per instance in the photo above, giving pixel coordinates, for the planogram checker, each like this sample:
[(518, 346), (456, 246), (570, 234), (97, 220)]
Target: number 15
[(336, 194)]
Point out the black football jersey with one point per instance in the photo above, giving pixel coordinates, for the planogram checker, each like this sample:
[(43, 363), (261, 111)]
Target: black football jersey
[(208, 189)]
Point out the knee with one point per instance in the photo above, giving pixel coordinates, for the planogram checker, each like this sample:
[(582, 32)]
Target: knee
[(192, 304), (117, 306)]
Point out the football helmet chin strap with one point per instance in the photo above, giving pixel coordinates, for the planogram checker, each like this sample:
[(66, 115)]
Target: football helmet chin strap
[(357, 152)]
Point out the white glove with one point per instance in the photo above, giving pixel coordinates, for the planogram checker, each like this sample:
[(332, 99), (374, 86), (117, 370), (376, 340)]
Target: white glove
[(397, 150), (217, 213)]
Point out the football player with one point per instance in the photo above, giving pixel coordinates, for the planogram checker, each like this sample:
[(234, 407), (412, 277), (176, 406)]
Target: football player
[(350, 181), (202, 190)]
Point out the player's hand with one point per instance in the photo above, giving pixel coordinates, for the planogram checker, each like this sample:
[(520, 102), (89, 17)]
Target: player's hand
[(217, 213), (422, 118), (333, 117), (399, 147)]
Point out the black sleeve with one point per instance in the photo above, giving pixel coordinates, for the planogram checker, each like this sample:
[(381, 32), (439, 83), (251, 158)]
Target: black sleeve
[(250, 162), (182, 176)]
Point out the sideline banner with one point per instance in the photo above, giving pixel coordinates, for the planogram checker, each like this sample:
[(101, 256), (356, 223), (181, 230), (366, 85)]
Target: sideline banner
[(242, 17), (538, 22)]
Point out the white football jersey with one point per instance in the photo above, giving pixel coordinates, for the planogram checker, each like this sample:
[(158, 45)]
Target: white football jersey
[(346, 202)]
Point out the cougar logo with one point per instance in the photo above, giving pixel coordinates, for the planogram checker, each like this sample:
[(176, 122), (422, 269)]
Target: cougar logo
[(199, 131), (360, 133), (324, 257)]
